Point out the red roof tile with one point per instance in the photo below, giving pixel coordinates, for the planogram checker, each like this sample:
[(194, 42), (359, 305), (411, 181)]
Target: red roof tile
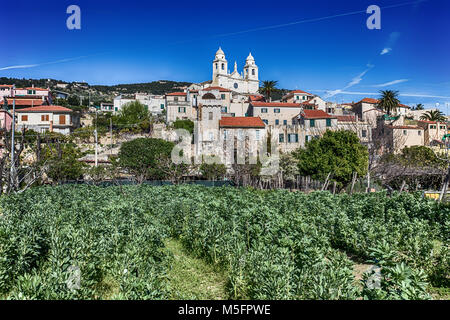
[(432, 122), (25, 102), (241, 122), (45, 109), (275, 104), (6, 85), (35, 88), (216, 88), (176, 94), (301, 91), (346, 118), (369, 100), (315, 114), (256, 98)]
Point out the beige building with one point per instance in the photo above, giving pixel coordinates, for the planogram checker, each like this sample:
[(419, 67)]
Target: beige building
[(434, 131), (401, 136), (297, 96), (275, 113), (45, 118)]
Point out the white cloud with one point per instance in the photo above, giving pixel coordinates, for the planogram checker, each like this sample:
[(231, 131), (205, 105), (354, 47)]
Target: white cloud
[(356, 80), (385, 50), (23, 66)]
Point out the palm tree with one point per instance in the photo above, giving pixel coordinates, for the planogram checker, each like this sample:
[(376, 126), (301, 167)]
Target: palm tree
[(389, 101), (433, 115), (267, 88), (419, 106)]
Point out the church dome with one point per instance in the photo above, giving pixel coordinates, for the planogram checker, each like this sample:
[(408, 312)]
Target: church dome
[(250, 57)]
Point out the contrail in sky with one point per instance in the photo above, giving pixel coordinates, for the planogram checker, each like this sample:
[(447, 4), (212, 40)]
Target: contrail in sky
[(25, 66)]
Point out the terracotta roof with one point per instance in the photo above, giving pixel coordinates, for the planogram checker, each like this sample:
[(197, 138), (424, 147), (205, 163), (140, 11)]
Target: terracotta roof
[(403, 106), (6, 85), (275, 104), (25, 102), (369, 100), (316, 114), (241, 122), (346, 118), (35, 88), (176, 94), (45, 109), (432, 122), (300, 91), (256, 98), (217, 88), (405, 127)]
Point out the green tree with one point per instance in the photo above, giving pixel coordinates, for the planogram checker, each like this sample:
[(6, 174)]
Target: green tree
[(337, 152), (389, 101), (73, 100), (184, 124), (144, 157), (61, 161), (433, 115), (419, 106), (213, 171), (267, 88)]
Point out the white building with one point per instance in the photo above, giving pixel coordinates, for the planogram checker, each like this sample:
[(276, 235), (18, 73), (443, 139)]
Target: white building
[(45, 118), (154, 103), (246, 82)]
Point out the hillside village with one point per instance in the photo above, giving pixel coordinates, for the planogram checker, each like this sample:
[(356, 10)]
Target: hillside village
[(232, 105)]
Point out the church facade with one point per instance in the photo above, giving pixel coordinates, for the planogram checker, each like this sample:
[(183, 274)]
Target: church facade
[(246, 82)]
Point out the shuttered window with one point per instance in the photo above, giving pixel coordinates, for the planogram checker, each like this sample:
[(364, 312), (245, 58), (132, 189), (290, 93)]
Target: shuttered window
[(62, 119)]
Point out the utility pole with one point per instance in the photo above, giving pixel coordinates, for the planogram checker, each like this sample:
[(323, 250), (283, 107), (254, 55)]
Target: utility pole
[(95, 136), (13, 128), (110, 135)]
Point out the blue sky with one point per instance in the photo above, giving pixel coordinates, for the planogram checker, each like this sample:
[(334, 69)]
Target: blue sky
[(319, 46)]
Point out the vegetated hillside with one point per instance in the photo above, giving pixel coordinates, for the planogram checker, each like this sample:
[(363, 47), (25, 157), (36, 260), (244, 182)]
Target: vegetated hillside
[(272, 244), (21, 83), (156, 87)]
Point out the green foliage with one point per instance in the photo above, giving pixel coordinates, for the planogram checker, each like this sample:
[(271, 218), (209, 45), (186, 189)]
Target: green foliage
[(62, 162), (337, 152), (213, 171), (143, 157), (184, 124), (416, 156), (434, 115), (389, 101), (272, 244)]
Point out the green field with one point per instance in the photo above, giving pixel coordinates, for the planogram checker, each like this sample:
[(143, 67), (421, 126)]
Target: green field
[(193, 242)]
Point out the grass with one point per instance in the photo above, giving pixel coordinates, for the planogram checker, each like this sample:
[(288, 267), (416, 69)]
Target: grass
[(193, 278)]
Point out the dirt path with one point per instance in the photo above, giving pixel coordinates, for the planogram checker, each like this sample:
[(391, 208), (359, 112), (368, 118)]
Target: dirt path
[(192, 278)]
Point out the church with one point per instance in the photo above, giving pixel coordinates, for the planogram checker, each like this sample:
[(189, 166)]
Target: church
[(246, 82)]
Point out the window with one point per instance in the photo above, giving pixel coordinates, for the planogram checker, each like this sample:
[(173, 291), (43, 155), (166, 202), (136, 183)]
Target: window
[(306, 139), (277, 110), (263, 110), (216, 66), (258, 135), (175, 99), (442, 127), (419, 132), (364, 133), (298, 97), (405, 132), (24, 118), (223, 66), (312, 123), (235, 85), (162, 105), (277, 122), (62, 119), (292, 137), (281, 137), (328, 122), (265, 121), (285, 122), (233, 114), (253, 72), (181, 109), (224, 109), (211, 136), (210, 116), (225, 134), (44, 117), (222, 96)]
